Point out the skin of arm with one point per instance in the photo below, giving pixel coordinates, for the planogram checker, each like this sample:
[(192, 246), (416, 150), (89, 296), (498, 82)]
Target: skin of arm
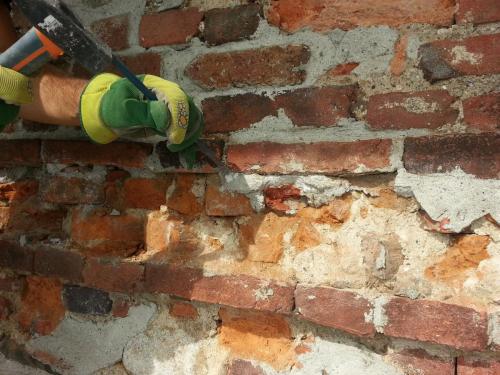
[(56, 96)]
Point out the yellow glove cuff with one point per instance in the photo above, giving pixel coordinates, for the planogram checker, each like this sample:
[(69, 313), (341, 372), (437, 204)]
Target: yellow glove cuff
[(15, 88), (177, 102), (90, 102)]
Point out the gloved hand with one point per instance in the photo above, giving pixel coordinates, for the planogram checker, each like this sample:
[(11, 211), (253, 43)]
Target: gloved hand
[(111, 106), (15, 89)]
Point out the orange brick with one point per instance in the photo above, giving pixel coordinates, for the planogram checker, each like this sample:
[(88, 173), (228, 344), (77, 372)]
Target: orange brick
[(219, 203)]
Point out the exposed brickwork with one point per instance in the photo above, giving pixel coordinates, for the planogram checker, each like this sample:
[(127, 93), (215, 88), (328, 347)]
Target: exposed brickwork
[(113, 31), (72, 190), (453, 58), (326, 15), (483, 112), (183, 310), (60, 263), (113, 275), (477, 367), (423, 109), (126, 155), (15, 257), (273, 66), (325, 157), (144, 63), (419, 362), (236, 291), (478, 11), (219, 203), (18, 191), (241, 367), (182, 26), (146, 193), (13, 153), (436, 322), (475, 154), (335, 308), (231, 24)]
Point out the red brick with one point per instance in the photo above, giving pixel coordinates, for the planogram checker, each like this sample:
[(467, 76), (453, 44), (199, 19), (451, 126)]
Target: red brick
[(42, 308), (324, 15), (241, 367), (333, 158), (275, 197), (398, 63), (5, 308), (436, 322), (335, 308), (478, 11), (162, 232), (73, 190), (171, 27), (121, 307), (144, 63), (183, 199), (231, 24), (113, 275), (478, 367), (417, 361), (18, 191), (11, 283), (475, 154), (483, 112), (183, 310), (67, 265), (118, 154), (113, 31), (342, 69), (230, 113), (238, 291), (219, 203), (406, 110), (15, 257), (31, 217), (147, 193), (317, 106), (272, 66), (102, 233), (445, 59), (17, 152)]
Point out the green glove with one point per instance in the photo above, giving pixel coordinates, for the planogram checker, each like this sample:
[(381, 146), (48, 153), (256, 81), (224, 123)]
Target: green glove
[(8, 113), (15, 89), (111, 106)]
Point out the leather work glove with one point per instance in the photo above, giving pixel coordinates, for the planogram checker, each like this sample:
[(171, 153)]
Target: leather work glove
[(15, 89), (111, 106)]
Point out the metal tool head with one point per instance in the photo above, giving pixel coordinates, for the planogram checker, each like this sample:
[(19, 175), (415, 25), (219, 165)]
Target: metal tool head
[(54, 19)]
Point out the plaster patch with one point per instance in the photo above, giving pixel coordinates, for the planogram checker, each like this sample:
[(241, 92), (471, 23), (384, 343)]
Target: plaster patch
[(86, 346), (9, 367), (457, 196)]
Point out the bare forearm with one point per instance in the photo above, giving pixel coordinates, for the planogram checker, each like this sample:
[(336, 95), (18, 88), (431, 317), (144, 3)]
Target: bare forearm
[(55, 99)]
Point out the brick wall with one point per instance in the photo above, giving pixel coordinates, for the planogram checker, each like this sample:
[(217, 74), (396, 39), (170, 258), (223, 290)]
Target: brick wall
[(358, 235)]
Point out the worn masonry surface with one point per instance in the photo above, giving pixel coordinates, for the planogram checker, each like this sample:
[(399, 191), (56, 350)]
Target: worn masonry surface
[(358, 233)]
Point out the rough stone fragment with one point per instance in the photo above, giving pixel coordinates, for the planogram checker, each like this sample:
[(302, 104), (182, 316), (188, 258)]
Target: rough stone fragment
[(417, 361), (478, 155), (118, 154), (270, 66), (335, 308), (182, 26), (445, 59), (332, 158), (324, 15), (65, 264), (231, 24), (477, 11), (220, 203), (406, 110), (85, 300), (483, 112), (275, 197), (436, 322), (111, 337), (113, 31), (238, 291)]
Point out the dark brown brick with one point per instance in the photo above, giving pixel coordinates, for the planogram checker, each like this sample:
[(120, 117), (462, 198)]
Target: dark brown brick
[(65, 264), (72, 190), (15, 257), (113, 275), (272, 66), (474, 154), (238, 291), (335, 308), (113, 31), (17, 152), (118, 154), (231, 24), (478, 11), (144, 63)]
